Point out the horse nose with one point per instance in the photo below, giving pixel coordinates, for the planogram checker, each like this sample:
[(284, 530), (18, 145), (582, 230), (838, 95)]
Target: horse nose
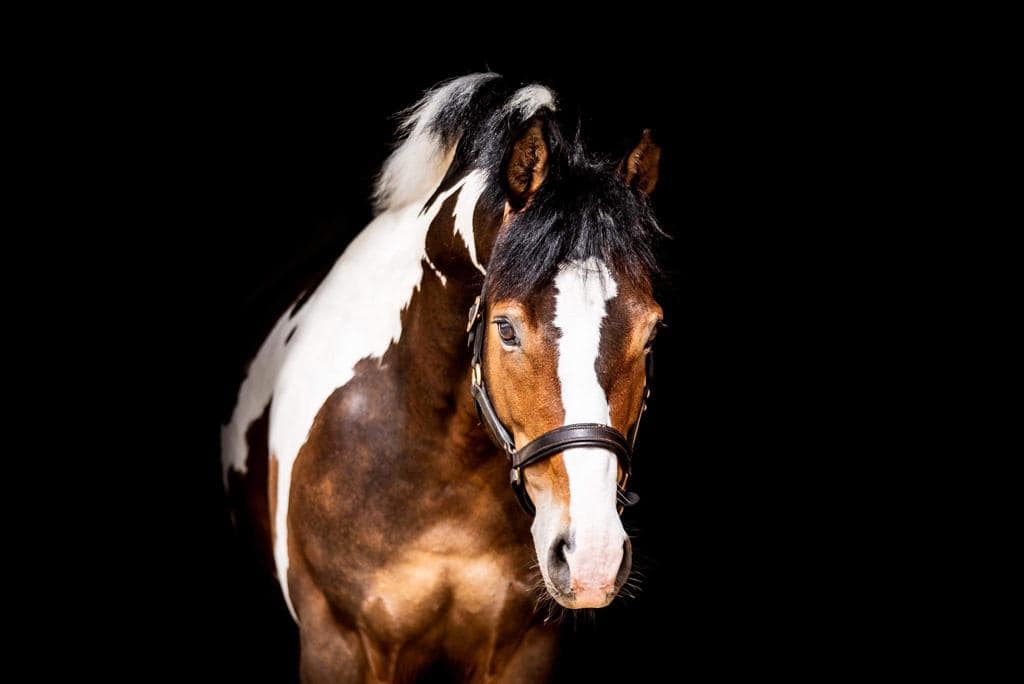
[(558, 564), (596, 578)]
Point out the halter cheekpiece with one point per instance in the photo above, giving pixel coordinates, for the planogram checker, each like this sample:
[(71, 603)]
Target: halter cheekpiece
[(554, 441)]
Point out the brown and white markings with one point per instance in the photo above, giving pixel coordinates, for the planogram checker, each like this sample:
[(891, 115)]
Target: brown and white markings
[(355, 442)]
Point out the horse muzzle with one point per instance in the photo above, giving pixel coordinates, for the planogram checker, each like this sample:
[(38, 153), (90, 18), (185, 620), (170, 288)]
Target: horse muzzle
[(585, 576)]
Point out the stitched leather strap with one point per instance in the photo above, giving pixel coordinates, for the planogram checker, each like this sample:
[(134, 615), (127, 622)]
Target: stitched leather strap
[(488, 416), (573, 437)]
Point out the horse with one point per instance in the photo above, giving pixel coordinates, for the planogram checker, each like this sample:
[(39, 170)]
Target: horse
[(493, 324)]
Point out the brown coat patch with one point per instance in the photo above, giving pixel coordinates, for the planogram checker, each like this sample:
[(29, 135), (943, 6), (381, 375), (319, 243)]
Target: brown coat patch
[(397, 466), (621, 358)]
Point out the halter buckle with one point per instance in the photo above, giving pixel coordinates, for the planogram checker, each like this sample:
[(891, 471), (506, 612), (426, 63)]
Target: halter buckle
[(515, 477), (476, 374)]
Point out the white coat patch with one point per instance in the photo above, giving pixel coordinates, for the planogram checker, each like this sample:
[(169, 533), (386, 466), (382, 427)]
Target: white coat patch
[(355, 313)]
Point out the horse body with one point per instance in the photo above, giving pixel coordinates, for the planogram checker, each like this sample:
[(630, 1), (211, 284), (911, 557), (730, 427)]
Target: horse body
[(355, 449)]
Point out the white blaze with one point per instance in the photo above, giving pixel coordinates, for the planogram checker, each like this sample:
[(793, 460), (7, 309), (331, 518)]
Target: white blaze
[(583, 289)]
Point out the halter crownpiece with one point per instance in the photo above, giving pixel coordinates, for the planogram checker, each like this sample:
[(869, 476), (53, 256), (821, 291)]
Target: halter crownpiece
[(573, 436)]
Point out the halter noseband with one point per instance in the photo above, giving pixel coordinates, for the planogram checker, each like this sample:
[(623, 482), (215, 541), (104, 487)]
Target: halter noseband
[(554, 441)]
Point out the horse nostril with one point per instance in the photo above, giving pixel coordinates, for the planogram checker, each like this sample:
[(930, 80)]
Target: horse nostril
[(627, 562), (562, 547), (558, 565)]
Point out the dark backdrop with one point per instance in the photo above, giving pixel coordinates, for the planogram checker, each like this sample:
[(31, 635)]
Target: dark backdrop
[(739, 532)]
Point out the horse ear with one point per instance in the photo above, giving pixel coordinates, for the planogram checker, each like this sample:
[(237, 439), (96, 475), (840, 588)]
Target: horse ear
[(640, 167), (527, 164)]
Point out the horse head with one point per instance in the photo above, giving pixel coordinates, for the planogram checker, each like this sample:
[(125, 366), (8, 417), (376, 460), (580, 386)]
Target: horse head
[(563, 337)]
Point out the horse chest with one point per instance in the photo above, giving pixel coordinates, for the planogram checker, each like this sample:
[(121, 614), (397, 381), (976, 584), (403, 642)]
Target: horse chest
[(423, 591), (428, 602), (440, 583)]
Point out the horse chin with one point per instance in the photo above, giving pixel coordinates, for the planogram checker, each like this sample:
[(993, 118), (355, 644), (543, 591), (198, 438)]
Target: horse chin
[(580, 602)]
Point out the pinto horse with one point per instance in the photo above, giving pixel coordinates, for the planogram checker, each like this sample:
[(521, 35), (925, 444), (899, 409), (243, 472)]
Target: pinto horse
[(359, 446)]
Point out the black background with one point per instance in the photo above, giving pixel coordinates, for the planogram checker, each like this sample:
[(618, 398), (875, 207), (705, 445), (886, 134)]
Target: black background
[(747, 466)]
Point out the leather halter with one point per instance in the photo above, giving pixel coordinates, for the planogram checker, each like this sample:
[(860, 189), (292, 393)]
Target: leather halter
[(574, 436)]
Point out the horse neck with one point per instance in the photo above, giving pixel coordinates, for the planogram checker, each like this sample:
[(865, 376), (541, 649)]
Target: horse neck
[(433, 355)]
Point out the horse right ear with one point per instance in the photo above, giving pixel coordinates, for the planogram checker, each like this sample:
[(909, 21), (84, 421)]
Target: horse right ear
[(526, 166), (639, 169)]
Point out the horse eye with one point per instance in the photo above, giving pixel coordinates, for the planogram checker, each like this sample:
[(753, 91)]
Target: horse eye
[(506, 332)]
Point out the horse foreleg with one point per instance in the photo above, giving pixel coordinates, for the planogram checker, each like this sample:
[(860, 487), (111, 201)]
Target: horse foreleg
[(328, 651), (531, 661)]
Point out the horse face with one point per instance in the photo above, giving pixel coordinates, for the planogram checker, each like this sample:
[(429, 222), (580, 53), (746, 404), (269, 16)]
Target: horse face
[(574, 352)]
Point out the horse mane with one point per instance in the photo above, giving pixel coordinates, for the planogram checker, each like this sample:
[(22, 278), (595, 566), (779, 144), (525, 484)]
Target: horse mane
[(582, 210)]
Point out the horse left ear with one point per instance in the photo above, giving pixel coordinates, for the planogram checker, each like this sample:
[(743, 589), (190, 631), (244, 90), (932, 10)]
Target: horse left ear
[(527, 164), (640, 167)]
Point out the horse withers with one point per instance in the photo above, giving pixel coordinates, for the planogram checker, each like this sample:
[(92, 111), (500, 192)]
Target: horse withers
[(367, 441)]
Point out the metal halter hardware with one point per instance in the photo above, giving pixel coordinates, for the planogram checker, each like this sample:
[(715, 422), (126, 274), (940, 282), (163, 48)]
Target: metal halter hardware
[(554, 441)]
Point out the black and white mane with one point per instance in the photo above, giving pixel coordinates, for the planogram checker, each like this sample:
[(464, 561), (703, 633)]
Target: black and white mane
[(583, 210)]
